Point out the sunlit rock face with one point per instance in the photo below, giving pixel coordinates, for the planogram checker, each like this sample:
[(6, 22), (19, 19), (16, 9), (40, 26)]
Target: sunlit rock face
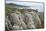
[(17, 27), (29, 20), (23, 19), (37, 20), (8, 25), (17, 19)]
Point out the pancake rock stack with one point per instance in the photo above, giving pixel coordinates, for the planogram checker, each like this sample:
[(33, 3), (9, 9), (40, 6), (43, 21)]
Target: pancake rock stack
[(24, 19)]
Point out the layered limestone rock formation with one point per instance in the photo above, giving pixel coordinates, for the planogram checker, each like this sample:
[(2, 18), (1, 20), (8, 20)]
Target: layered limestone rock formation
[(24, 19)]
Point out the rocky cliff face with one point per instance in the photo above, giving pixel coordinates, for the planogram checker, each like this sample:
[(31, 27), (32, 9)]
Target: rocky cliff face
[(23, 19)]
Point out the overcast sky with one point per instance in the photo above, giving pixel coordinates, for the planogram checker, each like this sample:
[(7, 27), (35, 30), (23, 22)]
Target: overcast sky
[(33, 5), (26, 0)]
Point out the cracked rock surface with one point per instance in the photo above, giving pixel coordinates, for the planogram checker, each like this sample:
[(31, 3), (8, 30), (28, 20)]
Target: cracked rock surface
[(22, 20)]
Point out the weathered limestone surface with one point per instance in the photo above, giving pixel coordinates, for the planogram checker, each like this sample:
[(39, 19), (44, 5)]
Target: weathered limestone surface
[(24, 20)]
